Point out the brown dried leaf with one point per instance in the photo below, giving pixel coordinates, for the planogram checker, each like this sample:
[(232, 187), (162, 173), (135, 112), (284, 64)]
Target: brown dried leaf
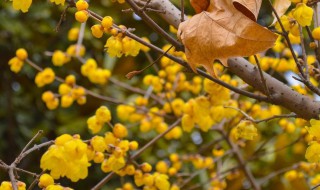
[(200, 5), (281, 6), (222, 33), (250, 8)]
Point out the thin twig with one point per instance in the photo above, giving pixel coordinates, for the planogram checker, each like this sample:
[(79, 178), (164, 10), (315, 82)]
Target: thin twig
[(134, 89), (316, 50), (315, 187), (257, 154), (304, 54), (80, 38), (286, 36), (29, 143), (134, 73), (248, 117), (182, 10), (35, 181), (62, 17), (276, 173), (263, 80), (154, 25), (241, 161), (145, 5)]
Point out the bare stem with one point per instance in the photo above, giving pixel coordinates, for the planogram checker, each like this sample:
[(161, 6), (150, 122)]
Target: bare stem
[(27, 146), (241, 161), (154, 25), (263, 80)]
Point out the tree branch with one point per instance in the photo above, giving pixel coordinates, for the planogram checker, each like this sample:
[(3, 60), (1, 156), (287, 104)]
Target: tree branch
[(281, 94)]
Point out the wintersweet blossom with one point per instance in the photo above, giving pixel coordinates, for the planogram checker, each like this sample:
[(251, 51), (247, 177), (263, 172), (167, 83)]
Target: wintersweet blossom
[(22, 5), (303, 14)]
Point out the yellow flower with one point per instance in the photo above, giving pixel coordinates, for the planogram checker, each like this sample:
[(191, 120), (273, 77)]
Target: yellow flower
[(314, 130), (66, 101), (246, 130), (143, 47), (45, 180), (67, 157), (113, 164), (98, 144), (294, 39), (313, 152), (89, 66), (177, 105), (103, 114), (64, 89), (114, 46), (72, 50), (45, 77), (15, 64), (120, 131), (57, 2), (303, 14), (99, 76), (94, 125), (107, 22), (161, 181), (162, 167), (54, 187), (285, 20), (130, 46), (138, 178), (187, 123), (97, 30), (175, 133), (22, 54), (53, 103), (59, 58), (73, 34), (22, 5)]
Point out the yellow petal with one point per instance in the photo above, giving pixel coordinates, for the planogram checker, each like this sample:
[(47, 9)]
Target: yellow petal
[(22, 5)]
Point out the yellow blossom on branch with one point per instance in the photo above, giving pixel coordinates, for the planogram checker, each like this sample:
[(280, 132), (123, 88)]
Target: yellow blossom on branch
[(22, 5), (313, 152), (314, 130), (303, 14), (67, 158), (57, 2)]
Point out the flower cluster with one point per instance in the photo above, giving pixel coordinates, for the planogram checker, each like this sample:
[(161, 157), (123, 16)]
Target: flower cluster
[(117, 151), (68, 92), (118, 45), (46, 182), (60, 58), (313, 151), (151, 181), (95, 74), (45, 77), (96, 122), (6, 185), (246, 130), (66, 158), (16, 63), (22, 5), (82, 14), (206, 111)]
